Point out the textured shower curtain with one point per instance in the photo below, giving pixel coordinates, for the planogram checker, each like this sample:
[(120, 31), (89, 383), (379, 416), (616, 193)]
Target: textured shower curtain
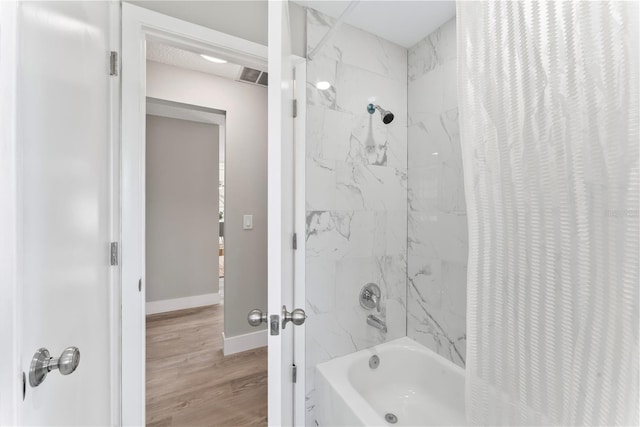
[(548, 95)]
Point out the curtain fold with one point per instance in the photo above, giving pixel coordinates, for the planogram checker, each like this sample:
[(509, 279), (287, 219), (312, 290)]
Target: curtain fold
[(548, 95)]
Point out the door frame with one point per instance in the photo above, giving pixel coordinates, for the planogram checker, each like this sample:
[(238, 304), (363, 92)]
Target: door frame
[(9, 303), (138, 25), (300, 225)]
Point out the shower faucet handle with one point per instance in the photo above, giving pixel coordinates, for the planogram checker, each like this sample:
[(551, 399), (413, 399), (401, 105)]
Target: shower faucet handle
[(370, 296)]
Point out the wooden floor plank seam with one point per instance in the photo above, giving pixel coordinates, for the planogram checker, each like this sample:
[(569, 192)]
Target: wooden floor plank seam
[(189, 380)]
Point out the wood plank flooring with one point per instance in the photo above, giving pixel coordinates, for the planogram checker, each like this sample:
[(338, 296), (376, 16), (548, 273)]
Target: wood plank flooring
[(191, 383)]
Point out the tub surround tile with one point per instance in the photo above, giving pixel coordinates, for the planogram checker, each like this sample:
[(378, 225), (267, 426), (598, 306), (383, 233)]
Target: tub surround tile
[(356, 47), (436, 315), (385, 203), (436, 49), (353, 96), (320, 184), (438, 235), (369, 187), (334, 235), (356, 204), (324, 70), (437, 221)]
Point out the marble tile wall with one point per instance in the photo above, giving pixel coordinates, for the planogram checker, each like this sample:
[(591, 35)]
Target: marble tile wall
[(356, 205), (437, 243)]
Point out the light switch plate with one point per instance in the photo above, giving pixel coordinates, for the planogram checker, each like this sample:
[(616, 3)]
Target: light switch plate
[(247, 222)]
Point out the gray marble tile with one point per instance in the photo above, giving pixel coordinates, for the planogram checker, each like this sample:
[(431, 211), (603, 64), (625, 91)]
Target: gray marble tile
[(322, 69), (385, 203), (356, 87), (356, 193), (370, 187), (356, 47), (320, 184), (437, 223), (436, 49), (340, 234)]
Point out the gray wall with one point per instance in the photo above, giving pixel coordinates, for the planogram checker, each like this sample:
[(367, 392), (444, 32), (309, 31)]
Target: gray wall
[(181, 208), (246, 179), (244, 19)]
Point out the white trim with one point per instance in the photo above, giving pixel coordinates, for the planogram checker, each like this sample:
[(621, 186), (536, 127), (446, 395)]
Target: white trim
[(9, 289), (138, 25), (277, 14), (180, 111), (165, 305), (132, 220), (115, 356), (240, 343), (299, 300)]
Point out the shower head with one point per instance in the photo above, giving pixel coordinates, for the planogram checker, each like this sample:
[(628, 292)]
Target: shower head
[(387, 116)]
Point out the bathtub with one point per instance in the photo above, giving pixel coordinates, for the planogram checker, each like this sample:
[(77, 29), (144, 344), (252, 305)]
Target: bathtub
[(411, 383)]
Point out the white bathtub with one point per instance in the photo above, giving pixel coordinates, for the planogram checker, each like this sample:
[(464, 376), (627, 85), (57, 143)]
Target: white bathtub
[(411, 382)]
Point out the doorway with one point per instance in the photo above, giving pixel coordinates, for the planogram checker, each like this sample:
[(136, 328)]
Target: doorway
[(184, 156), (201, 227), (139, 26)]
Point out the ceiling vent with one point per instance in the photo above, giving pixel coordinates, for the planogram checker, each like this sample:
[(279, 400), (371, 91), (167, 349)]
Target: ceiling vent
[(249, 75), (263, 79)]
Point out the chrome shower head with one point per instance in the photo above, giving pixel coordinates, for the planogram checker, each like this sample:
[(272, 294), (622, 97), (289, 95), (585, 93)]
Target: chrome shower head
[(386, 115)]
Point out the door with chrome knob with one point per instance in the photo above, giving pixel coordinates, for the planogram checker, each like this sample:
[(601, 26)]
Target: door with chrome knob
[(66, 290)]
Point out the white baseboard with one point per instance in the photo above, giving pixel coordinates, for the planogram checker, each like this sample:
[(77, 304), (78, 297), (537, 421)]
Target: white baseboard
[(163, 306), (244, 342)]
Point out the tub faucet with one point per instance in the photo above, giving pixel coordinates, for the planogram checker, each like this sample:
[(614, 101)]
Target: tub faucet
[(377, 323)]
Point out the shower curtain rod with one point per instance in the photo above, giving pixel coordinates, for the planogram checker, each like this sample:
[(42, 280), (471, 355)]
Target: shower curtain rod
[(333, 29)]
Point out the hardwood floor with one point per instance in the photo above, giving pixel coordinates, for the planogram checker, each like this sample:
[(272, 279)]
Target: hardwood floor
[(190, 382)]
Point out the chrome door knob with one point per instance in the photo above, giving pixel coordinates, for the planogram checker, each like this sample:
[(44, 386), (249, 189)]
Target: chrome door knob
[(256, 317), (297, 316), (42, 363), (68, 361)]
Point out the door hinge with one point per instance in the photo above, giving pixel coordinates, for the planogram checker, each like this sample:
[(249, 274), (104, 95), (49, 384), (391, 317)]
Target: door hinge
[(113, 63), (295, 108), (294, 373), (295, 241), (114, 253)]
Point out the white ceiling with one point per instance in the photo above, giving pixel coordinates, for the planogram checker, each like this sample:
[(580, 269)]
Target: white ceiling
[(399, 21), (190, 60)]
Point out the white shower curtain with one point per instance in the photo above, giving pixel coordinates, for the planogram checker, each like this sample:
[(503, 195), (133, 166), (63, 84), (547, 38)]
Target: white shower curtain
[(548, 95)]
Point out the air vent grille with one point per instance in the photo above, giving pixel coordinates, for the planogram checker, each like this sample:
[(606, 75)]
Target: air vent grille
[(264, 79), (250, 75)]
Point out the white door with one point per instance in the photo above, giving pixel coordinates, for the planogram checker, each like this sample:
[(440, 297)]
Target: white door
[(280, 214), (63, 133)]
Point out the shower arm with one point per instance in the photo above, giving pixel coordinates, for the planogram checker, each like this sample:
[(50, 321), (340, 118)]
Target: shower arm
[(333, 29)]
